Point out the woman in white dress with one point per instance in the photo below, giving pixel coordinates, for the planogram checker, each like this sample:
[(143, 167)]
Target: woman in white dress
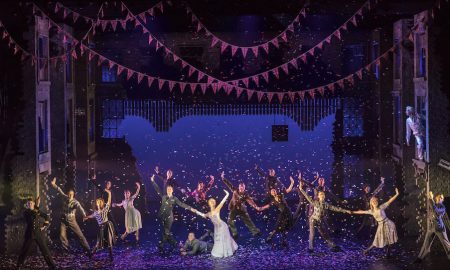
[(133, 220), (224, 244), (386, 234)]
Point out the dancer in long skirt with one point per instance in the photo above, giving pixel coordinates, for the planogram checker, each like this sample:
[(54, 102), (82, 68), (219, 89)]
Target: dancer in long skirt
[(133, 222), (368, 221), (224, 244), (437, 227), (105, 235), (68, 218), (386, 234), (285, 219)]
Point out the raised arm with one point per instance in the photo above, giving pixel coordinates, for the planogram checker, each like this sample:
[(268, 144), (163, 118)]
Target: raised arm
[(310, 200), (80, 208), (291, 185), (138, 188), (55, 186), (260, 172), (408, 132), (155, 186), (227, 183), (386, 204), (223, 200), (109, 197), (210, 183), (379, 188), (159, 174)]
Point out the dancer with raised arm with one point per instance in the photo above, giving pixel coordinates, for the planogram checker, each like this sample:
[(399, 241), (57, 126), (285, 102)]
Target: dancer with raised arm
[(224, 245), (272, 182), (168, 179), (105, 235), (69, 220), (104, 195), (133, 222), (168, 201), (317, 219), (285, 219), (238, 208), (199, 194), (437, 227), (368, 221), (386, 234), (34, 233)]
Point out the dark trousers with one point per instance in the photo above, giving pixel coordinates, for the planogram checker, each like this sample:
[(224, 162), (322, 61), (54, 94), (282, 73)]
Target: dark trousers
[(167, 221), (323, 231), (243, 214), (71, 223), (428, 242), (40, 241)]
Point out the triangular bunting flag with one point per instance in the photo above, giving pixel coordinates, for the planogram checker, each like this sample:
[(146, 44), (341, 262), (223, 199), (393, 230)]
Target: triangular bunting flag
[(182, 87), (140, 76), (223, 47), (161, 84), (265, 47), (283, 36), (129, 74), (244, 51), (270, 96), (119, 69), (275, 73), (214, 41), (114, 25), (255, 51), (312, 93), (265, 75), (285, 68), (233, 50), (274, 42), (260, 95), (150, 81), (256, 79)]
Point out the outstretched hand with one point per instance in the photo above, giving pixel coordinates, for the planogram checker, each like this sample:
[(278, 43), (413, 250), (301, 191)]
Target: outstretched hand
[(226, 192), (152, 178), (53, 182), (157, 170), (396, 191), (222, 174), (382, 179), (431, 195), (138, 185)]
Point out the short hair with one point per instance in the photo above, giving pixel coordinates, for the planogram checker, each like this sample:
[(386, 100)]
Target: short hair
[(410, 109), (29, 199)]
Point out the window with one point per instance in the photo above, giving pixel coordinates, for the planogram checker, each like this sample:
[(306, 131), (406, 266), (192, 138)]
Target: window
[(91, 120), (421, 56), (375, 53), (109, 75), (68, 63), (397, 60), (353, 120), (397, 119), (43, 58), (43, 132)]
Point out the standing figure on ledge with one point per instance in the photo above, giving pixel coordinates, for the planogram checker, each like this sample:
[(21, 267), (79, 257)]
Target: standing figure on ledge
[(133, 222), (238, 208), (194, 246), (414, 125), (437, 227), (69, 220), (34, 232), (105, 235), (285, 219), (386, 234), (168, 201), (317, 219), (224, 245), (368, 221)]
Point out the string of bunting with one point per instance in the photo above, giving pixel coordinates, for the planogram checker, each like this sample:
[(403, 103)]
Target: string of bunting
[(244, 50)]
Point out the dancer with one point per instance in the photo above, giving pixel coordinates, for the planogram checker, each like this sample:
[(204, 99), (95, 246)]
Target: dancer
[(194, 246), (105, 235), (386, 234), (68, 219), (368, 221), (104, 195), (34, 233), (414, 125), (437, 227), (168, 180), (272, 182), (317, 219), (199, 193), (285, 219), (238, 208), (224, 245), (168, 201), (133, 222)]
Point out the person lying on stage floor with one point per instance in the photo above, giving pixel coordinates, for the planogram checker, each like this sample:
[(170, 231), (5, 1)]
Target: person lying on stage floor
[(105, 235), (194, 246), (133, 222), (369, 222), (437, 216), (34, 233), (386, 234), (69, 220), (224, 244), (168, 201), (285, 220), (317, 219), (238, 208)]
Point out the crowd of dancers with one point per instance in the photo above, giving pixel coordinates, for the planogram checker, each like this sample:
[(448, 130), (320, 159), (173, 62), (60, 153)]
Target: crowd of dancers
[(312, 202)]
